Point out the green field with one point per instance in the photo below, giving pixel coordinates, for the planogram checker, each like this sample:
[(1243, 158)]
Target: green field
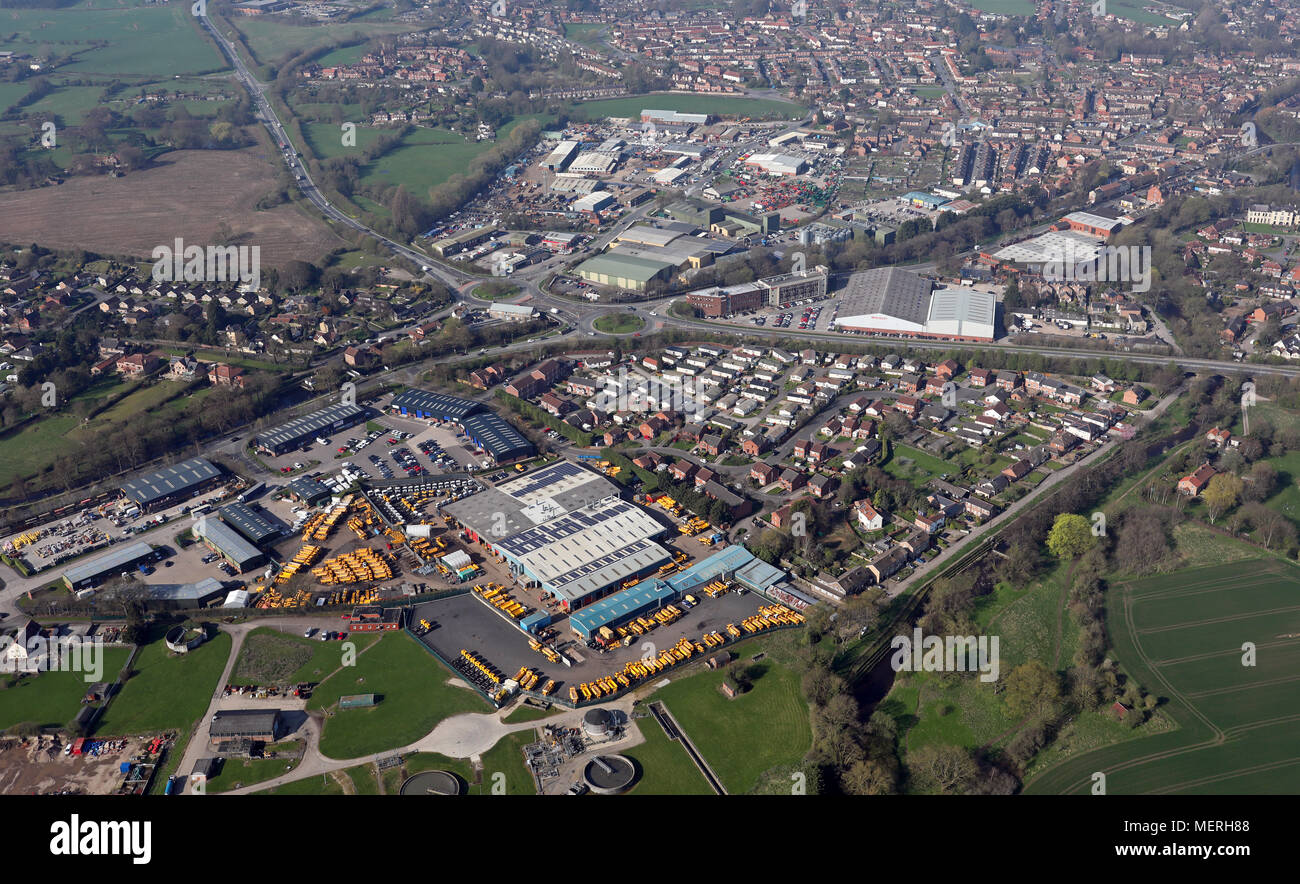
[(1005, 7), (168, 692), (424, 159), (10, 93), (740, 739), (586, 34), (916, 466), (126, 42), (51, 699), (272, 39), (1182, 635), (692, 104), (269, 657), (504, 771), (619, 323), (666, 769), (1286, 499), (414, 697), (36, 446)]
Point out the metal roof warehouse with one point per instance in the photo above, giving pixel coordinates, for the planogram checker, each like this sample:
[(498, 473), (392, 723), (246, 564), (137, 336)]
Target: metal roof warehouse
[(257, 528), (303, 429), (221, 538), (495, 435), (422, 403), (170, 482), (87, 573)]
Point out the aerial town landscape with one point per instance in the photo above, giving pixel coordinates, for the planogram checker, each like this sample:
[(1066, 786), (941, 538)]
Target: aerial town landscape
[(546, 397)]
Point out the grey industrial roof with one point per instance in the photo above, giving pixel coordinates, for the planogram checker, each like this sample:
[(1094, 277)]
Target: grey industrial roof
[(307, 487), (302, 427), (497, 435), (249, 522), (889, 290), (110, 561), (611, 568), (440, 404), (532, 499), (237, 722), (226, 539), (170, 480), (186, 592)]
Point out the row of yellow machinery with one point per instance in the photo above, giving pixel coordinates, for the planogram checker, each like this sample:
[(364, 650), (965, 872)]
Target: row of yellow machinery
[(610, 469), (302, 559), (546, 651), (24, 539), (715, 589), (496, 595), (359, 566), (768, 617), (483, 666), (528, 680), (669, 505), (271, 598)]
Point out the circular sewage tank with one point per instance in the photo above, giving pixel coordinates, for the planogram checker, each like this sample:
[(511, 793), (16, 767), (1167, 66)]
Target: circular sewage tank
[(432, 782), (597, 722), (609, 774)]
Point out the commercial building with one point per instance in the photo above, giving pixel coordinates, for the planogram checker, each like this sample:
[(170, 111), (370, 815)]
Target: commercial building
[(511, 312), (733, 563), (484, 427), (298, 431), (1092, 224), (252, 523), (308, 491), (890, 300), (624, 271), (228, 543), (778, 163), (260, 725), (89, 573), (559, 159), (593, 163), (565, 529), (465, 239), (168, 485), (596, 201), (668, 116)]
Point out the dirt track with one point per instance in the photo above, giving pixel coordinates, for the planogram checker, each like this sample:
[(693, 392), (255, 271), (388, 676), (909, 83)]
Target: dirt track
[(186, 194)]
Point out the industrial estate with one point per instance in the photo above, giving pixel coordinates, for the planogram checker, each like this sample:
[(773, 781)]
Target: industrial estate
[(656, 399)]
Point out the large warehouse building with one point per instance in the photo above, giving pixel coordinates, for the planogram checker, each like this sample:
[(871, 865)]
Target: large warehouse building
[(624, 271), (890, 300), (228, 543), (298, 431), (484, 427), (564, 528), (122, 558), (733, 563), (161, 488)]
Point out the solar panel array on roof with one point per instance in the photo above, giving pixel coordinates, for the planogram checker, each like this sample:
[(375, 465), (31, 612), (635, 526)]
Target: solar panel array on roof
[(439, 405), (635, 558), (168, 481), (543, 478), (497, 436), (250, 522), (533, 539), (299, 429)]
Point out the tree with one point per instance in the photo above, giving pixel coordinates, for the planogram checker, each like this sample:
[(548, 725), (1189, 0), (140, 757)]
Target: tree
[(1032, 689), (1261, 482), (948, 770), (1221, 495), (1071, 536), (869, 777)]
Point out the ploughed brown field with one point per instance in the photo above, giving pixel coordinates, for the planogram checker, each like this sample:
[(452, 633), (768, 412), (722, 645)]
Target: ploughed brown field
[(186, 194)]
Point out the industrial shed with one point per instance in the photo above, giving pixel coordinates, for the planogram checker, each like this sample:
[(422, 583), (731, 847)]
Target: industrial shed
[(223, 539), (252, 523), (91, 572), (161, 487), (293, 434)]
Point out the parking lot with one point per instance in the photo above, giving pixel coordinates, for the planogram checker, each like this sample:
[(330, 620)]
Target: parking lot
[(465, 622)]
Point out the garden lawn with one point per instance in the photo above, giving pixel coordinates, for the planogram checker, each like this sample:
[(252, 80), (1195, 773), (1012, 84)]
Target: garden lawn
[(51, 698), (666, 769)]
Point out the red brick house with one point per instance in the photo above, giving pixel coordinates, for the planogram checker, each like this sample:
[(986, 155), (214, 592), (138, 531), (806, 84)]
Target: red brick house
[(222, 375), (1195, 483)]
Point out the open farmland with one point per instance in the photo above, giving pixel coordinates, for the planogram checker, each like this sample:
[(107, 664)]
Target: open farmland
[(1182, 635), (187, 194), (125, 41)]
